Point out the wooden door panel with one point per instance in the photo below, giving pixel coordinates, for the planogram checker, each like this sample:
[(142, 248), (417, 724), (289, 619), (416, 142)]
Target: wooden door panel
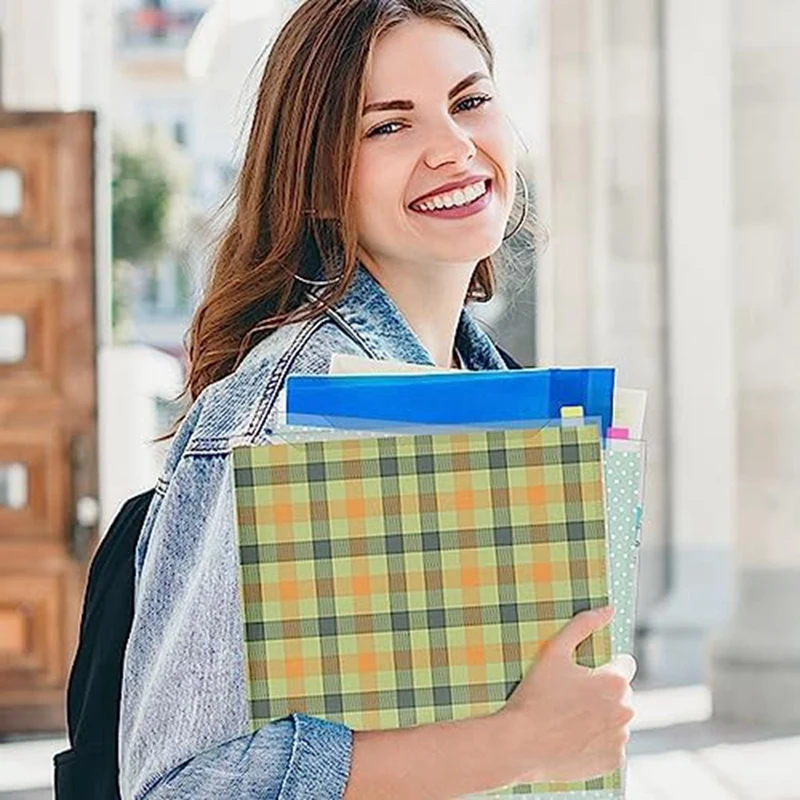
[(31, 154), (48, 407), (36, 304), (29, 609), (39, 452)]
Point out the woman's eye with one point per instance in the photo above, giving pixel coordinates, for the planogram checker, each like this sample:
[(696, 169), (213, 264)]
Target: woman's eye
[(471, 103), (385, 129), (467, 104)]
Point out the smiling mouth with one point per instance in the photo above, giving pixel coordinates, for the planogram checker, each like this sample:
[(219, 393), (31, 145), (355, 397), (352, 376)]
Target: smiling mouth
[(459, 198)]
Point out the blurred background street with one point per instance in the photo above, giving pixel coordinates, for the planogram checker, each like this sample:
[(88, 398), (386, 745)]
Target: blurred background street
[(660, 141)]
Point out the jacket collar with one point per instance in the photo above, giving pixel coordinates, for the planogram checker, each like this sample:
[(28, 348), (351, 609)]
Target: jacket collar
[(373, 318)]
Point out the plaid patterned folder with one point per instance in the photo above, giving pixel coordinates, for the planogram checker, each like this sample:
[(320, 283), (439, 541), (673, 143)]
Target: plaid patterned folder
[(395, 581)]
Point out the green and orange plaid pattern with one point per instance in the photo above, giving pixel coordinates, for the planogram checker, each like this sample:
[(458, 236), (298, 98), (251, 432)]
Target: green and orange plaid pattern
[(401, 580)]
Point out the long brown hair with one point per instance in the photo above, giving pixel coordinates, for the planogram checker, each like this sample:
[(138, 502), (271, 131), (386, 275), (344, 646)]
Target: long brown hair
[(292, 209)]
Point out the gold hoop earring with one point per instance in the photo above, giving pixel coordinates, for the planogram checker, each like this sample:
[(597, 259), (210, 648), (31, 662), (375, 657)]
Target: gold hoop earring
[(525, 208)]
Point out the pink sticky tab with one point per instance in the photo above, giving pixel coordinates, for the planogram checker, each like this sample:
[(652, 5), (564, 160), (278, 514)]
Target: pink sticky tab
[(619, 433)]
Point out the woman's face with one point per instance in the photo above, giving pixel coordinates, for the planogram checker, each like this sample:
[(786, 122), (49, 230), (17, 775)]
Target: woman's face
[(435, 167)]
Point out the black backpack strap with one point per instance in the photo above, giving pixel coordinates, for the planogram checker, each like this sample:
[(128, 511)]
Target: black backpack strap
[(88, 771)]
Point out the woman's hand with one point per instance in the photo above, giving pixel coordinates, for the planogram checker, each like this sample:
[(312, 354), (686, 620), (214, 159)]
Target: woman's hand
[(572, 722)]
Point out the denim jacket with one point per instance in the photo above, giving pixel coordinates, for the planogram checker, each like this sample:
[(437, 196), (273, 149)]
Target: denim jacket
[(184, 718)]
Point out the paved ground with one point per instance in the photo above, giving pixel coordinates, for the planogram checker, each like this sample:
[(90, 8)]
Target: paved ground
[(29, 794), (676, 753)]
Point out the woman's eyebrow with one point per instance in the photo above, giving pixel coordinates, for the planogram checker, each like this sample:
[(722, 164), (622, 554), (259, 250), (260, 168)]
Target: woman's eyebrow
[(407, 105), (466, 83)]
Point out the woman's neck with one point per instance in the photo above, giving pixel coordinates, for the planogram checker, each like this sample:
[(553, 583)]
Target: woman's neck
[(430, 301)]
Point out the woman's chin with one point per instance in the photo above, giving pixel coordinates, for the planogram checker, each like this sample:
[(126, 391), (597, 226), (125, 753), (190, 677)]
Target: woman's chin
[(462, 252)]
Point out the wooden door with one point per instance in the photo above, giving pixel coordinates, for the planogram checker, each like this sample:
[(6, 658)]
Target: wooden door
[(48, 408)]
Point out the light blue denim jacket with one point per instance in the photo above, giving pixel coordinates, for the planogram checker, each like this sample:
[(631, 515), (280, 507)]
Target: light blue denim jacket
[(184, 720)]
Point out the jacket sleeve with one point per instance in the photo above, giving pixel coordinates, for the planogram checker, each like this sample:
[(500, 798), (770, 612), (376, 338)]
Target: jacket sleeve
[(184, 723)]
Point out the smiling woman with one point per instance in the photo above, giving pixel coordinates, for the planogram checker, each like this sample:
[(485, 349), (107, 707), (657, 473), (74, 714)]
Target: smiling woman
[(435, 173), (377, 185)]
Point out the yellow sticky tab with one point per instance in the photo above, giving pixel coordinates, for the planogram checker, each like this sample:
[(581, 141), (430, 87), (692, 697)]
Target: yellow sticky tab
[(572, 412)]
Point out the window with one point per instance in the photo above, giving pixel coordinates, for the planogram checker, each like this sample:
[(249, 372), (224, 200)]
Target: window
[(13, 486), (10, 192), (12, 339)]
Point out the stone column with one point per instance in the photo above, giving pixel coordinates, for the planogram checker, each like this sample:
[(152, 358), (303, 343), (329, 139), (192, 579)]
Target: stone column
[(700, 341), (756, 663)]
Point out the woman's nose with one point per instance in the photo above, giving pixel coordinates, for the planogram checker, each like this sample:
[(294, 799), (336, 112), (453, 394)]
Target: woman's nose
[(450, 144)]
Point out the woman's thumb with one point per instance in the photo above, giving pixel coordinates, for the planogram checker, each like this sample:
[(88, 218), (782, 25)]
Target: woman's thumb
[(579, 628)]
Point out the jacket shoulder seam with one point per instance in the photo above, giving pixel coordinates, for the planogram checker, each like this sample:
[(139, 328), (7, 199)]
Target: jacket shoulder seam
[(277, 375)]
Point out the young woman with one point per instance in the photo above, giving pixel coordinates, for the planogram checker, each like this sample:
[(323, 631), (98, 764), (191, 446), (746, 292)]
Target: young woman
[(378, 181)]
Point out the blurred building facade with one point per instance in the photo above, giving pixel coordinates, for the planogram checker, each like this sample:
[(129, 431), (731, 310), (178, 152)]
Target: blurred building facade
[(153, 98), (666, 172)]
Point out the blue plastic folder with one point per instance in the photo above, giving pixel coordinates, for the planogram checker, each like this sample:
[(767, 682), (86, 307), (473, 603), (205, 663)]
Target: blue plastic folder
[(458, 398)]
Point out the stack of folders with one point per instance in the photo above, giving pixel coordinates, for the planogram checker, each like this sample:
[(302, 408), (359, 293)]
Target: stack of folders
[(411, 539)]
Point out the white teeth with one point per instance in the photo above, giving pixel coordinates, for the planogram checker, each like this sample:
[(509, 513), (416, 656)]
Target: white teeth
[(460, 197), (481, 189)]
